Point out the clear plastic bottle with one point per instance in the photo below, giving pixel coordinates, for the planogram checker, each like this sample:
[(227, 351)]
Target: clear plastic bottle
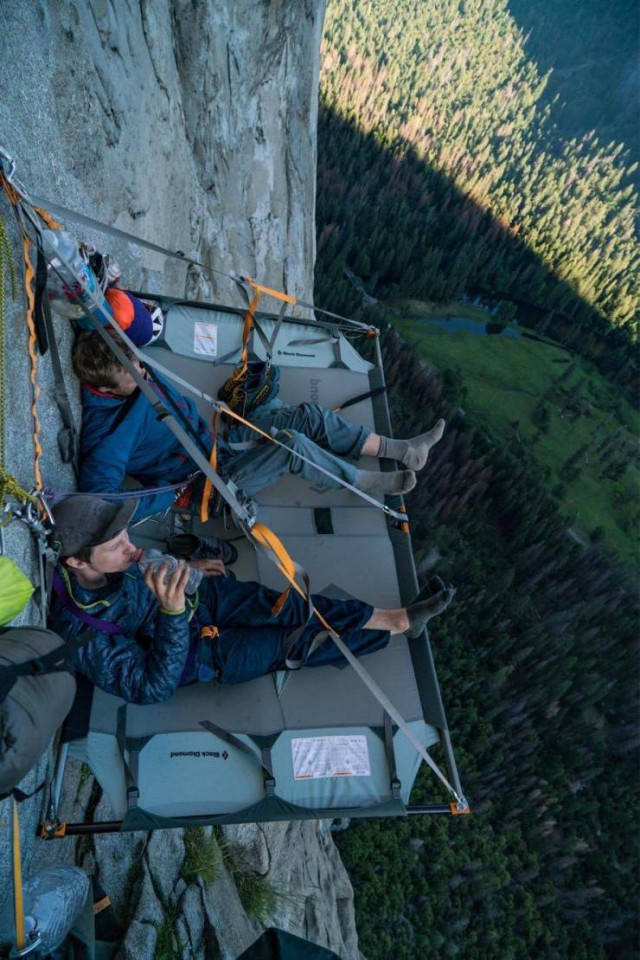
[(70, 276), (53, 898), (155, 558)]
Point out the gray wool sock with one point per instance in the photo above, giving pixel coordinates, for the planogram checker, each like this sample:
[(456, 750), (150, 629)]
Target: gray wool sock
[(413, 453), (396, 481), (420, 613)]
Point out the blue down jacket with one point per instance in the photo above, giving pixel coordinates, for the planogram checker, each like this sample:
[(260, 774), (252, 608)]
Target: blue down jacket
[(113, 445), (145, 662)]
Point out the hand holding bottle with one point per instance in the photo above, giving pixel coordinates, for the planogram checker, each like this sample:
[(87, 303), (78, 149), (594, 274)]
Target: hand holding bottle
[(168, 591)]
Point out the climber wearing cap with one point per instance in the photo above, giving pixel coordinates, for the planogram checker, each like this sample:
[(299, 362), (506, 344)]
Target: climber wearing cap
[(122, 435), (140, 637)]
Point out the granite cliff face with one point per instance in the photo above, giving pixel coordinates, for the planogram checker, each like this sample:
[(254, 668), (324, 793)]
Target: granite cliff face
[(191, 124)]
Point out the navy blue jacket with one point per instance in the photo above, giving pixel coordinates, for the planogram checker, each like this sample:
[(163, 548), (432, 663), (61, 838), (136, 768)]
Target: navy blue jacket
[(140, 445), (143, 664)]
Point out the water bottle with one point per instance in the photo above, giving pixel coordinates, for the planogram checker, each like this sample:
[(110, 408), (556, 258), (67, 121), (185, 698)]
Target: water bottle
[(155, 559), (70, 276), (53, 898)]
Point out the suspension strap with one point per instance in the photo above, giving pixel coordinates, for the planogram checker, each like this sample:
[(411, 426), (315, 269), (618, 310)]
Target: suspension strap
[(249, 320), (277, 552), (68, 434), (264, 762), (207, 489)]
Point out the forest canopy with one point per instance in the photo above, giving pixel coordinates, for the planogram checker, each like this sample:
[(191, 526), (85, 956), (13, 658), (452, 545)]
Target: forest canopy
[(443, 169)]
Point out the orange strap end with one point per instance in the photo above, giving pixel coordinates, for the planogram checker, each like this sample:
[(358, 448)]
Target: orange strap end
[(457, 812), (101, 905), (280, 602), (270, 292), (268, 539)]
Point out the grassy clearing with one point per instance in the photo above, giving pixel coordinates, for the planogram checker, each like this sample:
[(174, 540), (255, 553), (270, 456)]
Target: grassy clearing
[(506, 379)]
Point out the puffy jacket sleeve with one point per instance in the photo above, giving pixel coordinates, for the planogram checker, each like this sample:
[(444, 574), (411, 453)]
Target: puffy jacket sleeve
[(121, 666)]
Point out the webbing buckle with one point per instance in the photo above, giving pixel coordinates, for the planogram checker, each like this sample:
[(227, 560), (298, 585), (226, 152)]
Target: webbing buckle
[(53, 829)]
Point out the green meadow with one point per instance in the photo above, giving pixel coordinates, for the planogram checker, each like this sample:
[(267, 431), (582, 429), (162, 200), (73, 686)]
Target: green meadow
[(507, 380)]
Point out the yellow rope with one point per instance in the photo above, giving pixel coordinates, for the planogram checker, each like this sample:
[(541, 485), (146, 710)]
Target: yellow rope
[(18, 902), (10, 489)]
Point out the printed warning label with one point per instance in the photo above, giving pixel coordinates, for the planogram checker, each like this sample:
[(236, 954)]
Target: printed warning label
[(205, 338), (317, 757)]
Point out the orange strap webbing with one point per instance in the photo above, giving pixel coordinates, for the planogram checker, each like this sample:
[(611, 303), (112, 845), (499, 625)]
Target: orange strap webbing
[(267, 539), (258, 290)]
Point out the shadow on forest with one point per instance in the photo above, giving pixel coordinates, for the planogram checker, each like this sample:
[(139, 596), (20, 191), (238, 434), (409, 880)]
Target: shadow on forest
[(408, 231), (598, 83)]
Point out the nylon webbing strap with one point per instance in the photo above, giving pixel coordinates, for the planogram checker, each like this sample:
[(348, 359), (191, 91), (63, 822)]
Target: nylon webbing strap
[(369, 395), (66, 212), (213, 463), (394, 782), (277, 551), (233, 741), (133, 792), (67, 435), (293, 572)]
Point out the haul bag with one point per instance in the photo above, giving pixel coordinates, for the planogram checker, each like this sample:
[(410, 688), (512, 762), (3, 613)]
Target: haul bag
[(35, 705)]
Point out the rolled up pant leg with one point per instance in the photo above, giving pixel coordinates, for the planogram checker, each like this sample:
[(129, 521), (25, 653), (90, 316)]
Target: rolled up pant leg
[(327, 429), (265, 464)]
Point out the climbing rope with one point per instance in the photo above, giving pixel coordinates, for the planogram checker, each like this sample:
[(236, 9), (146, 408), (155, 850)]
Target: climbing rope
[(15, 198), (6, 272)]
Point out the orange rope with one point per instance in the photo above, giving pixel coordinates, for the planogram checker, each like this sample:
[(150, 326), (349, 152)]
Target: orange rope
[(29, 276)]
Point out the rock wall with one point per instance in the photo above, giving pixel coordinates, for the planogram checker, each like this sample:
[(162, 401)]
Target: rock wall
[(191, 123)]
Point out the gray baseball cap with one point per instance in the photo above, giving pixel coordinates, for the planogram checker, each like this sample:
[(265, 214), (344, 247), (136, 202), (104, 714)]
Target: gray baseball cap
[(84, 521)]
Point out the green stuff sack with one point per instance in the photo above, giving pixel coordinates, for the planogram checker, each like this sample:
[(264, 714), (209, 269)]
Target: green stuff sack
[(15, 591)]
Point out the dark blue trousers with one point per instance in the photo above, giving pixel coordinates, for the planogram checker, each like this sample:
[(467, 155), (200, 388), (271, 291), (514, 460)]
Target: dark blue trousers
[(253, 641)]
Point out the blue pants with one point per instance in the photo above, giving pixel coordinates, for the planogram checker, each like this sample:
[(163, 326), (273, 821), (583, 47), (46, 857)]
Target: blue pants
[(253, 642), (309, 429)]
